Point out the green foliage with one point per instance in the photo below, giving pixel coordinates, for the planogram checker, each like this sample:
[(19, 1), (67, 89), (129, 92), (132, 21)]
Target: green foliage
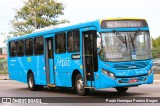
[(36, 14), (6, 36), (156, 42), (156, 52), (3, 72), (156, 47), (3, 60), (3, 66)]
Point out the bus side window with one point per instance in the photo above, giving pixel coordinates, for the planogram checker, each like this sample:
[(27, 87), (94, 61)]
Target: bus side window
[(60, 43), (29, 47), (12, 49), (20, 48), (38, 44), (73, 38)]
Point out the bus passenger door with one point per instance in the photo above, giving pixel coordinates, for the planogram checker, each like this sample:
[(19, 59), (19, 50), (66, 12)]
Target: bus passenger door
[(49, 60), (90, 61)]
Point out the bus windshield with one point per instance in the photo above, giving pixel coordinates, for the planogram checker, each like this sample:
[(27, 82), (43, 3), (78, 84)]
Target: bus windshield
[(125, 46)]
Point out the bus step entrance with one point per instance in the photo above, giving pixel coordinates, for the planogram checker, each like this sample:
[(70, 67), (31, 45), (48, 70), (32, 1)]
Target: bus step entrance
[(51, 85), (89, 87)]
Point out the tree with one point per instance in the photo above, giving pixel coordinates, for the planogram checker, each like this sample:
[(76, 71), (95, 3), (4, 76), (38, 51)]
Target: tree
[(36, 14), (156, 47)]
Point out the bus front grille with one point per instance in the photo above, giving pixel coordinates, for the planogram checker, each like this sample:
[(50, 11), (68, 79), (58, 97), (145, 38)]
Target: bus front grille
[(127, 80), (130, 66)]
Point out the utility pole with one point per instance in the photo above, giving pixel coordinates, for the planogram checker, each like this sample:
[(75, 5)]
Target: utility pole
[(35, 21), (34, 13)]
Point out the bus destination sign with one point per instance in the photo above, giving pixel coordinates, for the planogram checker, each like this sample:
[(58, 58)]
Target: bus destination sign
[(123, 23)]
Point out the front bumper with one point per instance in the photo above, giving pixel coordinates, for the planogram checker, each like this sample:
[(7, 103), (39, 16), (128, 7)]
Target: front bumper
[(107, 82)]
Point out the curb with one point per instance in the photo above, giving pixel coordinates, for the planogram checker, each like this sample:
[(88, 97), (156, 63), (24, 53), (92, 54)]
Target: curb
[(156, 80), (4, 79)]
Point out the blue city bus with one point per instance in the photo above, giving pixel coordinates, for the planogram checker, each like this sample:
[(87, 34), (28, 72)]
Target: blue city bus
[(106, 53)]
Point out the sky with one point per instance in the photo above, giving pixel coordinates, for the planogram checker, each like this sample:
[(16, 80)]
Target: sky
[(77, 11)]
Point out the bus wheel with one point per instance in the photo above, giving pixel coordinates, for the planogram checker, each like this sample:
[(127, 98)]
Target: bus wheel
[(79, 87), (31, 83), (122, 89)]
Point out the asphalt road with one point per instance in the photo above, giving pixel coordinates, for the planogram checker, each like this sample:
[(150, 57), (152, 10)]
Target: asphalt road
[(10, 88)]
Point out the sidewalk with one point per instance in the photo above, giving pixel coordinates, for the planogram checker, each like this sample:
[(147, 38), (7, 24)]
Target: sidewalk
[(4, 77), (156, 78)]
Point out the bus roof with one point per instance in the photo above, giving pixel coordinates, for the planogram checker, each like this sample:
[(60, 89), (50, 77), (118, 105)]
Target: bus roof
[(66, 27), (55, 29)]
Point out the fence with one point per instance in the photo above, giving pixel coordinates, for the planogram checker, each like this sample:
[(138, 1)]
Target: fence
[(3, 66)]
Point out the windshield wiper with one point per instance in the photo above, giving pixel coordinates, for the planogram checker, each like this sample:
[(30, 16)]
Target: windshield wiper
[(135, 35), (121, 38), (132, 39)]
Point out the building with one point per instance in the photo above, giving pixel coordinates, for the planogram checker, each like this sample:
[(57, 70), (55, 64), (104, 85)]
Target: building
[(3, 52)]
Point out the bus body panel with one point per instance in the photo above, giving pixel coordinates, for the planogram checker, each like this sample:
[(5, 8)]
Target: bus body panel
[(64, 67), (17, 69), (20, 66), (39, 70)]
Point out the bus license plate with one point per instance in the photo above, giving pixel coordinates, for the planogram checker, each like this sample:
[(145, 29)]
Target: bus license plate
[(133, 80)]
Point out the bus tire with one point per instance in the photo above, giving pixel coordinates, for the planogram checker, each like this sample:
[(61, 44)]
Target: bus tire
[(122, 89), (31, 83), (79, 87)]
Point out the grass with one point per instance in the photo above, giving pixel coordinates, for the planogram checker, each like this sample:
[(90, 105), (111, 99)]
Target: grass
[(2, 60), (3, 72)]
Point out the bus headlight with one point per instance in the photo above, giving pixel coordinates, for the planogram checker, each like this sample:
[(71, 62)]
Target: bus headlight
[(108, 73), (150, 71)]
